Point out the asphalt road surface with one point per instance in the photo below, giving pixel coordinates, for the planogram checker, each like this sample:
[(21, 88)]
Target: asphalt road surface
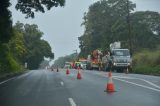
[(51, 88)]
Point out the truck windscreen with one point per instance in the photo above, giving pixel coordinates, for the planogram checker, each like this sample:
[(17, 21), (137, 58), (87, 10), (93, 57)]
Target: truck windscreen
[(121, 53)]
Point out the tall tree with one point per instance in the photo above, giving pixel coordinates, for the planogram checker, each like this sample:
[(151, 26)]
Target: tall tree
[(100, 23), (36, 47), (107, 22), (5, 22), (29, 6)]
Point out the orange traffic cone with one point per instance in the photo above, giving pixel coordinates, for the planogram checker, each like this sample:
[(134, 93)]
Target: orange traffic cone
[(110, 85), (79, 75), (67, 71)]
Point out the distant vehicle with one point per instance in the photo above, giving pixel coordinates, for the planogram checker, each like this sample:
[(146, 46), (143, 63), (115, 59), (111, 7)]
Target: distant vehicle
[(83, 63), (77, 64), (67, 65)]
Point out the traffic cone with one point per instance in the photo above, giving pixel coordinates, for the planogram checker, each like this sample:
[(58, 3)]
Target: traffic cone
[(110, 85), (79, 75), (67, 71)]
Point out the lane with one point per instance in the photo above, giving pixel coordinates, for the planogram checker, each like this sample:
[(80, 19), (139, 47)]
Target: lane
[(37, 88), (90, 91), (146, 80), (48, 88)]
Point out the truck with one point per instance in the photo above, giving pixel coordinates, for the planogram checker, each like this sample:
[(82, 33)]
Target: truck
[(120, 59), (94, 60), (83, 63)]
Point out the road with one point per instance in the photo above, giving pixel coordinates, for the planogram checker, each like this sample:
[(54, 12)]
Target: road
[(51, 88)]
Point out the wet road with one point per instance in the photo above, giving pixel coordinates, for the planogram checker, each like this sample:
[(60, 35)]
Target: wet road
[(48, 88)]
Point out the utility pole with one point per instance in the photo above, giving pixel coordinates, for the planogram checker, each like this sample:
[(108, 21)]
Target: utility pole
[(129, 28), (76, 54)]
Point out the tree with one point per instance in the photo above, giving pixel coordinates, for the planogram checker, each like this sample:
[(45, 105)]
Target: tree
[(114, 20), (60, 62), (29, 6), (36, 48), (5, 22), (17, 46), (100, 23)]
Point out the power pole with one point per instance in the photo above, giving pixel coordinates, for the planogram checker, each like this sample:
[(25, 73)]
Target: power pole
[(129, 28), (76, 54)]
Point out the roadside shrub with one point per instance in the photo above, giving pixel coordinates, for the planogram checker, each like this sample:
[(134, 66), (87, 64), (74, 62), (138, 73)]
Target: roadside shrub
[(147, 62), (7, 62)]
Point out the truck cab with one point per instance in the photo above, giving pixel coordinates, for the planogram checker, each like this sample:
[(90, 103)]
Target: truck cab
[(121, 59)]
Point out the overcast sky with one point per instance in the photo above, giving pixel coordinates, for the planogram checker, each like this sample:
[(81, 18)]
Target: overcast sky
[(62, 26)]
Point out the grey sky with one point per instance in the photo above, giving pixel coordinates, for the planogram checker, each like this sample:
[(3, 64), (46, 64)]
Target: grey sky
[(61, 26)]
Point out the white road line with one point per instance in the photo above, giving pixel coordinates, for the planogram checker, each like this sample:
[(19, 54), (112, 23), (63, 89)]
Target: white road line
[(150, 83), (6, 80), (62, 83), (123, 77), (71, 102), (138, 84)]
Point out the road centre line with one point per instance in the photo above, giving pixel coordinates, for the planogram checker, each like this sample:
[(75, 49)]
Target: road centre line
[(71, 102), (6, 80), (62, 83), (138, 85)]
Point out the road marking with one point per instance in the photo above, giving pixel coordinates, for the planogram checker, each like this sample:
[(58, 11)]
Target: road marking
[(138, 84), (123, 77), (62, 83), (6, 80), (149, 83), (71, 102)]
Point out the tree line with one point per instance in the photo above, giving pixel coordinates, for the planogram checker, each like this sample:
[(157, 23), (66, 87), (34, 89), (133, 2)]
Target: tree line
[(22, 43), (108, 21), (27, 46)]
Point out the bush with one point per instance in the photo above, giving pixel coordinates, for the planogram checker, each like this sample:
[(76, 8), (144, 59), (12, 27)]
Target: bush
[(7, 63), (147, 62)]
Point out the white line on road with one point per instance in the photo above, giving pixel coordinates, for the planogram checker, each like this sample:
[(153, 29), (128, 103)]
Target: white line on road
[(149, 83), (62, 83), (71, 102), (6, 80), (138, 84), (138, 79)]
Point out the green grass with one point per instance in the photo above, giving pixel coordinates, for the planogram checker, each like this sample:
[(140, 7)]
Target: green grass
[(147, 62)]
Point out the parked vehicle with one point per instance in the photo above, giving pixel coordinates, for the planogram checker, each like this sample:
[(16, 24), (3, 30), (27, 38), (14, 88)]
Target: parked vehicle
[(67, 65), (83, 63), (94, 60), (120, 58)]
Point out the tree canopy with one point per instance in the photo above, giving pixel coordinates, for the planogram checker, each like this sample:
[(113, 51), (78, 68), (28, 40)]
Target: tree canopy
[(36, 48), (107, 22), (29, 6)]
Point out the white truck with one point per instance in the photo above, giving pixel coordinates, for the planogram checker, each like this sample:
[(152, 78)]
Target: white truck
[(120, 59)]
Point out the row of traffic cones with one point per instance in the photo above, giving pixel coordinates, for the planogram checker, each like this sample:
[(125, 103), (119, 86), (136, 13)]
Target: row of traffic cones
[(110, 85), (78, 74)]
